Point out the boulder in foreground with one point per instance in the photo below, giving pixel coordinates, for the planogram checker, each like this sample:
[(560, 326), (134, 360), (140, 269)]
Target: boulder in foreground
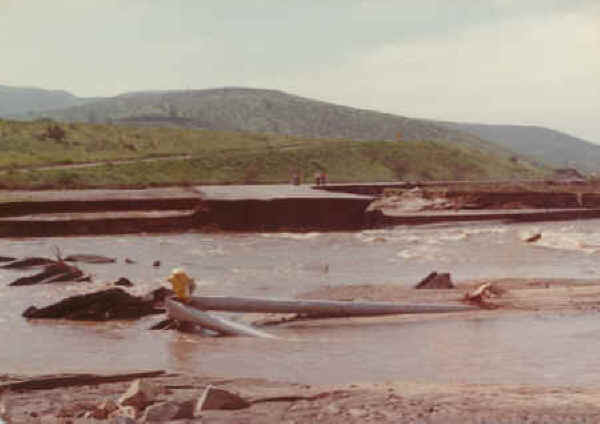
[(214, 398)]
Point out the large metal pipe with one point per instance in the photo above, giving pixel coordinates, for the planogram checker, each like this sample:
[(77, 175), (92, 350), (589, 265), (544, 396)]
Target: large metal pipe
[(319, 308)]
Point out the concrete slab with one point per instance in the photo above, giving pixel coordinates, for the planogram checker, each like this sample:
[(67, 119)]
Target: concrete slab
[(268, 192)]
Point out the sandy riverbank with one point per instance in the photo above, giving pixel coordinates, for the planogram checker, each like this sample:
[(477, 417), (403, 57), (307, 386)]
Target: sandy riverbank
[(387, 402), (390, 402)]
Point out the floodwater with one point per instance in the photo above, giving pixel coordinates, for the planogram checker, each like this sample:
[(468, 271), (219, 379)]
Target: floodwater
[(528, 350)]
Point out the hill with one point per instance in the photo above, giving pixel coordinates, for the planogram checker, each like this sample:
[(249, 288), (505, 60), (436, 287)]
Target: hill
[(276, 112), (37, 156), (24, 100), (550, 146), (260, 111)]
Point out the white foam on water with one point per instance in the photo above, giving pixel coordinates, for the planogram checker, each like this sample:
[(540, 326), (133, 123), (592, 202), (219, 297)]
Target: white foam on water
[(292, 236), (574, 241), (490, 230), (421, 254), (212, 251)]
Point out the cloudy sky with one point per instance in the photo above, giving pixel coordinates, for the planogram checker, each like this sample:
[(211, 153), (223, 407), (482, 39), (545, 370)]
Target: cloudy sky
[(531, 62)]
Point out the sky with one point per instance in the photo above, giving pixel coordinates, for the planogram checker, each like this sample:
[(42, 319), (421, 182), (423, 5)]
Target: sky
[(532, 62)]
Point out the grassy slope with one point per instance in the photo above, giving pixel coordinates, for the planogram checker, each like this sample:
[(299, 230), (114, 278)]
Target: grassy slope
[(221, 157)]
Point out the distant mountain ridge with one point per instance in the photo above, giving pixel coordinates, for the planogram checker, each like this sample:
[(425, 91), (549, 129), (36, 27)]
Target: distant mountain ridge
[(25, 100), (551, 146), (272, 111)]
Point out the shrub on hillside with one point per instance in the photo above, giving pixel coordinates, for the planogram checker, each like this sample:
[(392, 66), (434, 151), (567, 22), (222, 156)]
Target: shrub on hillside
[(55, 132)]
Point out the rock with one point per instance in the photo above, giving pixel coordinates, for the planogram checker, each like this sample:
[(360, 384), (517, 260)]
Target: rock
[(214, 398), (159, 294), (121, 419), (123, 282), (103, 410), (114, 303), (357, 413), (7, 259), (156, 264), (4, 410), (90, 259), (170, 410), (436, 281), (140, 394), (125, 412), (129, 261), (332, 409), (57, 271)]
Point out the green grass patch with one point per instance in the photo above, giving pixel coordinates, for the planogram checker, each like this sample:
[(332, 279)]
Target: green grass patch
[(237, 158)]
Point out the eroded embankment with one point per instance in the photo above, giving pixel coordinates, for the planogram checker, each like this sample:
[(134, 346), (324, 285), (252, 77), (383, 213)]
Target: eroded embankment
[(12, 209), (295, 214), (287, 211)]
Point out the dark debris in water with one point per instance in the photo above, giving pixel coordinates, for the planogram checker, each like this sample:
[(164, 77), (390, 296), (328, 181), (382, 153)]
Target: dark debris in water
[(110, 304), (29, 263), (53, 272)]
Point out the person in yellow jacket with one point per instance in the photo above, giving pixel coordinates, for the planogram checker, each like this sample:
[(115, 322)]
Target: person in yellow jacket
[(183, 285)]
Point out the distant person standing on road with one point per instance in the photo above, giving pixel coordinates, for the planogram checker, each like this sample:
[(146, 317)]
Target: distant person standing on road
[(296, 179), (318, 178)]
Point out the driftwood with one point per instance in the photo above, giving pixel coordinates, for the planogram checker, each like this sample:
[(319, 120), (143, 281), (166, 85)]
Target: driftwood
[(56, 271), (318, 308), (185, 313), (29, 263), (46, 383), (90, 259)]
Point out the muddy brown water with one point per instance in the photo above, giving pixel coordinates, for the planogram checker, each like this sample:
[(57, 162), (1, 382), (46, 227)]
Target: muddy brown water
[(535, 349)]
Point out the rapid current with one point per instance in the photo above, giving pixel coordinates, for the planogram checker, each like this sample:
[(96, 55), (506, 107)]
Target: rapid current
[(528, 350)]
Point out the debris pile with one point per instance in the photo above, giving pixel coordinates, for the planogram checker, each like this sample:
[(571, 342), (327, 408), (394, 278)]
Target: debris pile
[(482, 293), (110, 304), (144, 401)]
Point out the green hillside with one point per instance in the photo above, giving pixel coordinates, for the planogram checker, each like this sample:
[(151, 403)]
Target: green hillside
[(260, 111), (226, 157)]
